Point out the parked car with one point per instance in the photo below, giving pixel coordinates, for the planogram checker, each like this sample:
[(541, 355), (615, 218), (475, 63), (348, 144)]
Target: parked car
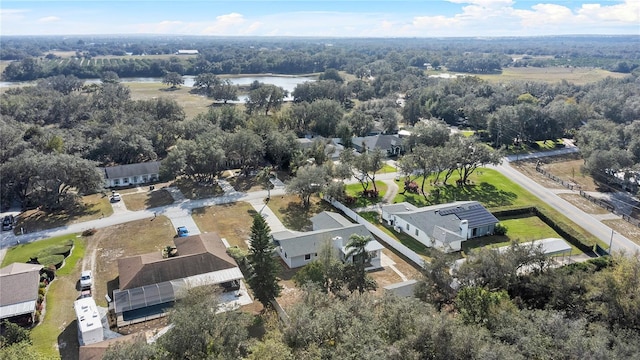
[(115, 197), (7, 222), (85, 279), (182, 231)]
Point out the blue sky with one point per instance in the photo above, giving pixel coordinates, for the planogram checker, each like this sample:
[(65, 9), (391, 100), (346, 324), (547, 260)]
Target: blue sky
[(350, 18)]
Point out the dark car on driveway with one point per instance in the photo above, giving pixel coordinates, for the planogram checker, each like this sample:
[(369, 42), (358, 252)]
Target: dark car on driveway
[(7, 222)]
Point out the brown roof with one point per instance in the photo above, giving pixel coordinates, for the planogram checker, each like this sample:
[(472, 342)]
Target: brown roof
[(19, 283), (197, 254), (96, 351)]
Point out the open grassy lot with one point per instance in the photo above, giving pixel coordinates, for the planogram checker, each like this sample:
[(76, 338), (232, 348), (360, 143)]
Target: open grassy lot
[(355, 190), (191, 103), (579, 76), (193, 190), (147, 199), (566, 167), (51, 335), (289, 209), (91, 207), (129, 239), (231, 221)]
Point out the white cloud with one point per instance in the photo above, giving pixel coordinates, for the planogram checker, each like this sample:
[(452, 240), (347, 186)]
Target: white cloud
[(484, 3), (628, 12), (48, 19), (12, 14)]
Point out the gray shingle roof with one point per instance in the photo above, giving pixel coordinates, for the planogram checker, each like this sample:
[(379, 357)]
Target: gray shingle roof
[(297, 244), (18, 284), (329, 220), (383, 142), (120, 171)]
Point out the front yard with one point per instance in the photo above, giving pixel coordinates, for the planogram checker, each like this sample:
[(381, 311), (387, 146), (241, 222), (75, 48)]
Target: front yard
[(231, 221), (91, 207), (147, 199)]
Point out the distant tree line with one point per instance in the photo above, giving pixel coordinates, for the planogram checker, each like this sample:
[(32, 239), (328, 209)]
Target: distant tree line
[(299, 56)]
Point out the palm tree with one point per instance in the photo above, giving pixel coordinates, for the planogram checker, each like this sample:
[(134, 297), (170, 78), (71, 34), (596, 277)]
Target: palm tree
[(357, 278)]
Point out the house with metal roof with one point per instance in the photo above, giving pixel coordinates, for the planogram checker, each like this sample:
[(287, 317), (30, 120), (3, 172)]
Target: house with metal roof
[(131, 174), (149, 283), (300, 248), (19, 284), (444, 226)]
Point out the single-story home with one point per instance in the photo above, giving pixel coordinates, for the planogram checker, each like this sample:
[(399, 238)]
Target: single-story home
[(150, 284), (19, 284), (300, 248), (391, 145), (131, 174), (187, 52), (333, 148), (444, 226)]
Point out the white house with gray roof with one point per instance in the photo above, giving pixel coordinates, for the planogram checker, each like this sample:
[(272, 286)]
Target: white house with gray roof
[(300, 248), (131, 174), (444, 226)]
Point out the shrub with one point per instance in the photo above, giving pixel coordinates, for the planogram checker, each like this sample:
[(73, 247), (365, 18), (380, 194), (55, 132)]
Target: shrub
[(58, 250), (236, 253), (500, 229), (89, 232), (50, 272), (41, 292), (49, 260)]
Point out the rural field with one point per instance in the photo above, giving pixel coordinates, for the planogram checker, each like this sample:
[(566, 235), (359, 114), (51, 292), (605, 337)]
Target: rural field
[(191, 103), (578, 76)]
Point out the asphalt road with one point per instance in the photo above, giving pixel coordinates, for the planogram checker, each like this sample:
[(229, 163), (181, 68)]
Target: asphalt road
[(586, 221)]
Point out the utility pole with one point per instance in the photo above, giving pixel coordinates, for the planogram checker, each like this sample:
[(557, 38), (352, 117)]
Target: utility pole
[(611, 241)]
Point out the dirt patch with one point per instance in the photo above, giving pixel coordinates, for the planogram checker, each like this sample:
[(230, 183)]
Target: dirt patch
[(583, 204)]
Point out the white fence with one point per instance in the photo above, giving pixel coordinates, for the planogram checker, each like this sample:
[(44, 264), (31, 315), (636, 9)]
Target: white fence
[(388, 240)]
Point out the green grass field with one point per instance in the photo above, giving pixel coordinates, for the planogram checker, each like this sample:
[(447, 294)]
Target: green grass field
[(578, 76), (356, 189), (23, 252), (191, 103)]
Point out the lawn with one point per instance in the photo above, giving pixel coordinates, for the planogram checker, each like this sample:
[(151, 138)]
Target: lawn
[(293, 215), (521, 228), (386, 168), (191, 103), (231, 221), (355, 190), (91, 207), (193, 190), (58, 328), (488, 187), (147, 199)]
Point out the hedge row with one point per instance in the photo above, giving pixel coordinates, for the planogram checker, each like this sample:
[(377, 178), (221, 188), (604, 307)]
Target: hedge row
[(55, 260), (562, 228)]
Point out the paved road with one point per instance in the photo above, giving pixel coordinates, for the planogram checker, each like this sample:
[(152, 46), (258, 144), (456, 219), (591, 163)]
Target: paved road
[(586, 221)]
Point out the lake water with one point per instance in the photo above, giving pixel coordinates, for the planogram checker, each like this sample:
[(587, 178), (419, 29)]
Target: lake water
[(288, 83)]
